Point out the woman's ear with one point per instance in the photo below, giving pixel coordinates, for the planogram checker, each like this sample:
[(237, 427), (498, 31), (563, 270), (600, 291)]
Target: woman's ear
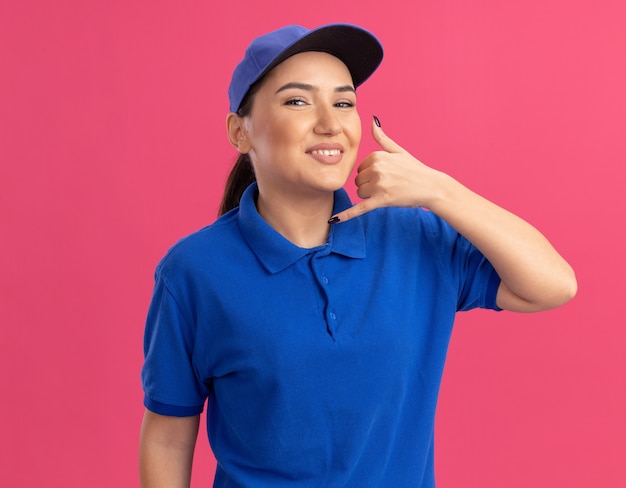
[(237, 133)]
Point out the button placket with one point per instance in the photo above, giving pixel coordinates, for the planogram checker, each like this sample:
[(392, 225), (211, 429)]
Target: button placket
[(322, 278)]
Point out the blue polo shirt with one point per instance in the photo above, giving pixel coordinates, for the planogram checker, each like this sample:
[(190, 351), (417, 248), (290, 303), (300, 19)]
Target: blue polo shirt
[(321, 366)]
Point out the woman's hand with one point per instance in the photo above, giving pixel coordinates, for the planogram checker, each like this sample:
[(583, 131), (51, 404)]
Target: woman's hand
[(534, 276), (392, 177)]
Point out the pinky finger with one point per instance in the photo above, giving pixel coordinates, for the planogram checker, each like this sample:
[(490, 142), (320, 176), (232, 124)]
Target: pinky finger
[(354, 211)]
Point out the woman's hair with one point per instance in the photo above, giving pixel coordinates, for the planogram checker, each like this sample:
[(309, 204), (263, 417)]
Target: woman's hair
[(242, 174)]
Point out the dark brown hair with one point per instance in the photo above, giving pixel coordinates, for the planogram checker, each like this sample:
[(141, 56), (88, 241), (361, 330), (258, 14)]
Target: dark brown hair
[(242, 174)]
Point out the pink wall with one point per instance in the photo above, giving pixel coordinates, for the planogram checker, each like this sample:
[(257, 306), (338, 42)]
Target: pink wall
[(112, 146)]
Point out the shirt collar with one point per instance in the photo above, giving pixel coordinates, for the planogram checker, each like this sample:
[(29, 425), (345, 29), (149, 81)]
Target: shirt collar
[(277, 253)]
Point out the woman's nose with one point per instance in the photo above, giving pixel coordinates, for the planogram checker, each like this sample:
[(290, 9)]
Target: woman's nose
[(327, 122)]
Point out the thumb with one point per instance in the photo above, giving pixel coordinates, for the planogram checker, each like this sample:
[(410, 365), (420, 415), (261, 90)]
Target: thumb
[(384, 141)]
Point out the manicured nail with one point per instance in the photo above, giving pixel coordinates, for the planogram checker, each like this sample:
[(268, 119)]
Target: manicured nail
[(376, 121), (334, 220)]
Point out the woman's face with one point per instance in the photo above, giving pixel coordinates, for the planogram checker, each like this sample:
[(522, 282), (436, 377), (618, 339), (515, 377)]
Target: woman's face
[(303, 131)]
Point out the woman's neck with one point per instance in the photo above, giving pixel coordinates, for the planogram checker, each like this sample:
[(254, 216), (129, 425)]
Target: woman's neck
[(303, 221)]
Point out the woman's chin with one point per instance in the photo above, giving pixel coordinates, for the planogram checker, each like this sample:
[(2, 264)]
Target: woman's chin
[(333, 182)]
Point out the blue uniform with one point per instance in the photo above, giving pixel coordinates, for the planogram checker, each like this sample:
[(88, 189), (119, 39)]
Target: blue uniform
[(321, 366)]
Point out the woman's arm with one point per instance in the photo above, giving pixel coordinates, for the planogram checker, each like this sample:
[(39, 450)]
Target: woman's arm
[(166, 450), (534, 276)]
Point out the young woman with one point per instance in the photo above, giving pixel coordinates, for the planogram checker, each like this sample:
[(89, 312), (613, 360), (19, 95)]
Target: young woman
[(316, 329)]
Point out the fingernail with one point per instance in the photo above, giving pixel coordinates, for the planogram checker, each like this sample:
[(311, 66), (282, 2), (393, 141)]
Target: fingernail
[(334, 220), (376, 121)]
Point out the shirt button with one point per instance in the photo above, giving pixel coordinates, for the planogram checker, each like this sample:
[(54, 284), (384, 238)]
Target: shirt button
[(333, 316), (325, 280)]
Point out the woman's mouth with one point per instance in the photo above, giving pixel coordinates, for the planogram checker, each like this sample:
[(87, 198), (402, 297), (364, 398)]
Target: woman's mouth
[(326, 153)]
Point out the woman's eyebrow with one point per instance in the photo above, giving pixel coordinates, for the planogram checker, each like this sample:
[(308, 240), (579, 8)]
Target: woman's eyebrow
[(308, 87)]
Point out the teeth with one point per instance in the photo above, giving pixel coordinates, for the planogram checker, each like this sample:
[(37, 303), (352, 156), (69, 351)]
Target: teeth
[(327, 152)]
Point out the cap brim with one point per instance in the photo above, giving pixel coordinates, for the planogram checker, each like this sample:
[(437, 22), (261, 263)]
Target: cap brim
[(359, 50)]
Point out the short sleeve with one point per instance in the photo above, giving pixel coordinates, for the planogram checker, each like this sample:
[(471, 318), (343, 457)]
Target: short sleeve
[(473, 276), (170, 384)]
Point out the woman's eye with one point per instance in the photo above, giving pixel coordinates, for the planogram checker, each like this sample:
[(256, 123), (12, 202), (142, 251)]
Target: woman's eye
[(295, 101), (344, 104)]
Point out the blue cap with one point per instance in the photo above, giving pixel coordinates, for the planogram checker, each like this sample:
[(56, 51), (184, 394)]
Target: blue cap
[(359, 50)]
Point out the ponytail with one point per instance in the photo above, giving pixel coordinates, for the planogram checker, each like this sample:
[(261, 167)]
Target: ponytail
[(241, 176)]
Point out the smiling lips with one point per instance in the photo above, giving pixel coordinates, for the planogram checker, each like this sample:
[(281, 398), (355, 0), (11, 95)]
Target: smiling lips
[(326, 153)]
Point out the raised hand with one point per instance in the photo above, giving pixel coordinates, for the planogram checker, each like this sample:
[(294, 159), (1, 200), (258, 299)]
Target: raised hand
[(391, 177), (534, 276)]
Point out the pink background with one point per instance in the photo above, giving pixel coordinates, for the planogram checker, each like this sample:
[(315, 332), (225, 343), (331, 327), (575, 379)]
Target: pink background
[(113, 145)]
